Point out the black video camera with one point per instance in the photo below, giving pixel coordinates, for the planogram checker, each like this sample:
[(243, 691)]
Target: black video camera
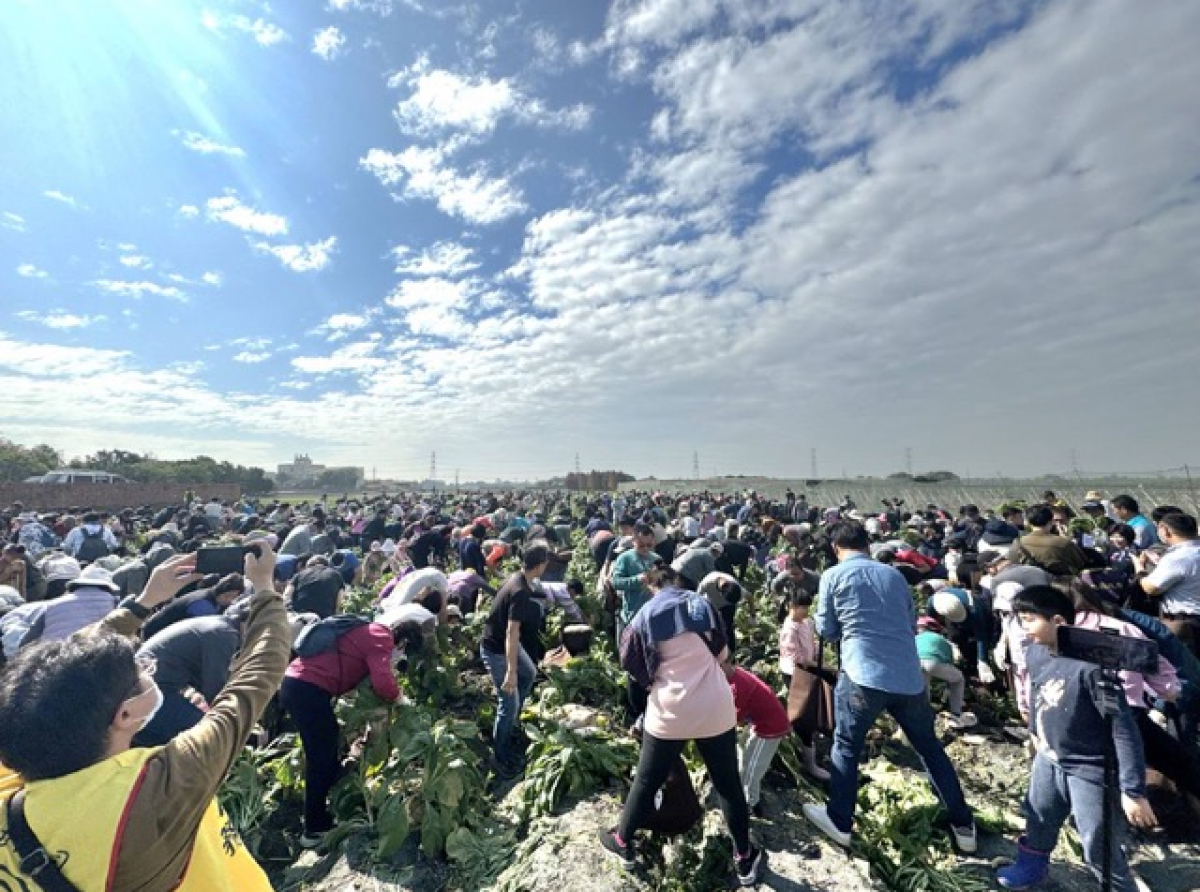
[(1108, 650)]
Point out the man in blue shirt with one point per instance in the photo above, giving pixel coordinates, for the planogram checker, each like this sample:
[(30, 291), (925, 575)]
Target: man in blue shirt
[(1128, 511), (868, 607)]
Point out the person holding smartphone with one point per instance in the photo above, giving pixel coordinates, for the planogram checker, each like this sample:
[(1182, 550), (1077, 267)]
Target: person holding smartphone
[(69, 710)]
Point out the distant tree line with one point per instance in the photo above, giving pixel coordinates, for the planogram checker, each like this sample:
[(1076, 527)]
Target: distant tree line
[(928, 477), (597, 480), (19, 462)]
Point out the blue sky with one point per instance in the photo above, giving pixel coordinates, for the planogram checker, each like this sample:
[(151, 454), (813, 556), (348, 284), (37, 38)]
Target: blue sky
[(514, 232)]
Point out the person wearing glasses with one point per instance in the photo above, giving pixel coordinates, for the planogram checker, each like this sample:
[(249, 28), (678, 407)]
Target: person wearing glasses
[(69, 710)]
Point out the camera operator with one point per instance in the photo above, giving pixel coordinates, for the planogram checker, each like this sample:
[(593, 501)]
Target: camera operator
[(68, 712)]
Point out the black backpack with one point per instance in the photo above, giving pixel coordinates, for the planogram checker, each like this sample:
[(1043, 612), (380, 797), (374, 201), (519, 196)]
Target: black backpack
[(322, 636), (677, 808), (92, 548)]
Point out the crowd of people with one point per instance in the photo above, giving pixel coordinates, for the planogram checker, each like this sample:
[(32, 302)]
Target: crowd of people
[(133, 672)]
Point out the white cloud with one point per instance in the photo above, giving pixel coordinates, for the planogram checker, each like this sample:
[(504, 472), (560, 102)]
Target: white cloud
[(308, 258), (29, 271), (441, 259), (59, 319), (12, 221), (421, 173), (340, 326), (329, 43), (136, 261), (358, 357), (265, 33), (188, 211), (139, 289), (346, 322), (249, 357), (431, 306), (442, 99), (55, 195), (412, 293), (199, 143), (212, 278), (229, 209), (473, 105), (380, 7)]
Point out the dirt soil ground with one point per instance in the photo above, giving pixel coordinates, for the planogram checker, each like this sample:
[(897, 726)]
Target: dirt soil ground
[(561, 853)]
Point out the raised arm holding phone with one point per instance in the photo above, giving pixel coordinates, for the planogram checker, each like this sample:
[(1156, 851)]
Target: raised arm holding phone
[(68, 712)]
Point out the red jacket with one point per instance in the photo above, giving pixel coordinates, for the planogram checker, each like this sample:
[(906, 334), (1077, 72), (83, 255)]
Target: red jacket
[(757, 704), (365, 650)]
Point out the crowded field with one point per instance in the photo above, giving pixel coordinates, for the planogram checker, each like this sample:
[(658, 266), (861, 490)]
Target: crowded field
[(424, 683)]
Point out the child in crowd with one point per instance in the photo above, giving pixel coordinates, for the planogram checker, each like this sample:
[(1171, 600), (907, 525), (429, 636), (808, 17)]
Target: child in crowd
[(1068, 727), (798, 637), (937, 661), (798, 650), (758, 707)]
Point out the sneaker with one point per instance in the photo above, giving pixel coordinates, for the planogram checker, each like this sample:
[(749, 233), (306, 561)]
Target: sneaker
[(311, 840), (965, 839), (623, 853), (964, 720), (747, 867), (819, 815)]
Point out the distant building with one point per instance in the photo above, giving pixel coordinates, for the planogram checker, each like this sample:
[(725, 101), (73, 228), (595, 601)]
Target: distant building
[(302, 471), (301, 468)]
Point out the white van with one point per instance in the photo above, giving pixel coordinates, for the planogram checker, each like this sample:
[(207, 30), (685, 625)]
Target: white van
[(72, 475)]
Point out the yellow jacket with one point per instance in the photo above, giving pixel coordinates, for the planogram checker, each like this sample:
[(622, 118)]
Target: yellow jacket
[(80, 819)]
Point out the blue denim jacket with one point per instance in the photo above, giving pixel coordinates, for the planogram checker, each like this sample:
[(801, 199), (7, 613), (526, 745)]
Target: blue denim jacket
[(869, 608)]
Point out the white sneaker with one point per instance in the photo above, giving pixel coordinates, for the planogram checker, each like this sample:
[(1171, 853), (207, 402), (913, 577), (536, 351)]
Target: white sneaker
[(963, 720), (965, 839), (819, 815)]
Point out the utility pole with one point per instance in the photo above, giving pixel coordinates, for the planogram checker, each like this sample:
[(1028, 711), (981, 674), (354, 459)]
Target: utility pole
[(432, 466), (456, 481), (695, 464)]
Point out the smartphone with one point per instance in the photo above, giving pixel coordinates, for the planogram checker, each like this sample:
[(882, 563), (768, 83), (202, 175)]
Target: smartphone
[(222, 560), (1109, 650)]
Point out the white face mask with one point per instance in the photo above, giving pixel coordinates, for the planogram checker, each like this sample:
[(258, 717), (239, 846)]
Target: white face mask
[(157, 694)]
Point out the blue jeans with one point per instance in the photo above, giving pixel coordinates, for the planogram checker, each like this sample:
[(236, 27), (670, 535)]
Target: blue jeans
[(1054, 796), (508, 706), (855, 709)]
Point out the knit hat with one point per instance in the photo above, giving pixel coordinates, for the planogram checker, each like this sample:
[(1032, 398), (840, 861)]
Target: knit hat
[(948, 605)]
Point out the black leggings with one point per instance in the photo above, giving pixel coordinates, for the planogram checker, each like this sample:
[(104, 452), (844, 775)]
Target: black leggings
[(311, 709), (720, 757), (728, 612)]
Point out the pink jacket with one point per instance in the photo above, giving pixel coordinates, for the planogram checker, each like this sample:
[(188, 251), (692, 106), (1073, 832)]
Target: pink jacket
[(797, 645)]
